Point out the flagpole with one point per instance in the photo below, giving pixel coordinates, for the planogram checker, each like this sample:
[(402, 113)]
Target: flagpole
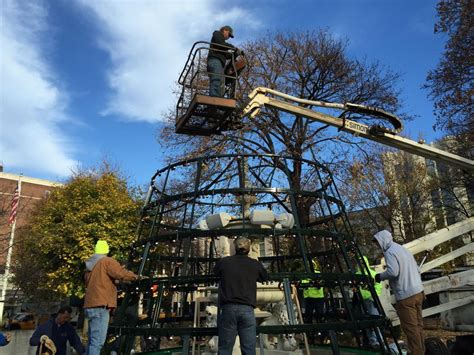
[(9, 257)]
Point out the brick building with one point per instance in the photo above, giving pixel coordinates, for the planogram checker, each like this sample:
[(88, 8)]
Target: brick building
[(32, 191)]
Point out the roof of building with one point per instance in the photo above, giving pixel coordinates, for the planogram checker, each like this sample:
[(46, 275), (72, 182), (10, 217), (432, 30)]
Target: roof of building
[(30, 180)]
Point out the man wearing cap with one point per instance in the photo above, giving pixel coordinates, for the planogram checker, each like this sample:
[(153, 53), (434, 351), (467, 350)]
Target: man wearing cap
[(219, 52), (238, 277), (101, 293), (404, 278)]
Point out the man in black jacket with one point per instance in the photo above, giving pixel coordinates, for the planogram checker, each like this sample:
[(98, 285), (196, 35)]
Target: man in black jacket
[(219, 52), (238, 277), (58, 331)]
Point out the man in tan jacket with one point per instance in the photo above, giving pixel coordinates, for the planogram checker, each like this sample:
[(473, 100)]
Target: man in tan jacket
[(101, 293)]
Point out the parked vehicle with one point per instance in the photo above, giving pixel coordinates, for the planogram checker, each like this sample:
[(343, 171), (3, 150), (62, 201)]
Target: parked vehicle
[(22, 321)]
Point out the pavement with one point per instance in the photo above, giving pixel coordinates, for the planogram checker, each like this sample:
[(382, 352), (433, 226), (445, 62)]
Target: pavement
[(19, 345)]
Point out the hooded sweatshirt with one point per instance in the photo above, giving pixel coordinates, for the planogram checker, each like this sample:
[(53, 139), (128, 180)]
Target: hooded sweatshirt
[(102, 271), (402, 270)]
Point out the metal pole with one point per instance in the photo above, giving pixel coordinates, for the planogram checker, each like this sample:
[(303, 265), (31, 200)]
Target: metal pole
[(9, 256)]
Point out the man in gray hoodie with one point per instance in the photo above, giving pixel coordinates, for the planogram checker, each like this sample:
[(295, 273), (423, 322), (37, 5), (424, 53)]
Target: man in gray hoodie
[(405, 281)]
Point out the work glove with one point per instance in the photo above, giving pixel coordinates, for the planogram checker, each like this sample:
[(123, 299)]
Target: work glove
[(48, 343), (377, 278)]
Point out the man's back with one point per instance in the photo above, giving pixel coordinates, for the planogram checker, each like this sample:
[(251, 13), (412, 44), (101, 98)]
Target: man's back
[(238, 277), (100, 287), (408, 282)]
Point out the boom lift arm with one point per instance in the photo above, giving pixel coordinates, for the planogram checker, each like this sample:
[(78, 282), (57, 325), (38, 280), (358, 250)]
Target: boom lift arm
[(261, 96), (274, 99)]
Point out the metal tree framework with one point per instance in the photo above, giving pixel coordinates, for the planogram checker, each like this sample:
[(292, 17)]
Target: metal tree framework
[(178, 251)]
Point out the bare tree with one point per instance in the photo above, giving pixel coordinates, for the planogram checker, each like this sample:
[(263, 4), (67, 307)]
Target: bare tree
[(451, 86), (451, 83), (310, 65), (406, 194), (392, 189)]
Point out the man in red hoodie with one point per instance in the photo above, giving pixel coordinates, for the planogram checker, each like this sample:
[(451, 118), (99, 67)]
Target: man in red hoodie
[(101, 293)]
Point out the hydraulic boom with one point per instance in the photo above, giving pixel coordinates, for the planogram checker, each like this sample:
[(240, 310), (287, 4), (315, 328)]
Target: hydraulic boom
[(271, 98)]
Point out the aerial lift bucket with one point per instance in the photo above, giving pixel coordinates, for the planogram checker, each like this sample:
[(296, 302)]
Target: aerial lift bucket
[(197, 113)]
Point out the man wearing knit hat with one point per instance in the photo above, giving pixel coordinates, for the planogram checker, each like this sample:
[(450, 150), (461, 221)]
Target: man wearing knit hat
[(101, 293), (238, 277)]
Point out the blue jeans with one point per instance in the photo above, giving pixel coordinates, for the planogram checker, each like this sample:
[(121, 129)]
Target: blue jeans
[(236, 319), (98, 325), (216, 77), (372, 310)]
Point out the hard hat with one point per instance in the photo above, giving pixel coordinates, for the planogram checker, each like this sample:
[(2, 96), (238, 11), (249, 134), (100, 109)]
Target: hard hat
[(101, 247)]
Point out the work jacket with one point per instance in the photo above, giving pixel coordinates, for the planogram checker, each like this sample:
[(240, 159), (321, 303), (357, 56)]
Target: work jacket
[(238, 277), (220, 49), (3, 340), (102, 272), (365, 293), (312, 292), (402, 270)]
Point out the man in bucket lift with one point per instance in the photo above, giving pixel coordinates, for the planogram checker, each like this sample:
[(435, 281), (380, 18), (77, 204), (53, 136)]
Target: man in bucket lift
[(218, 54)]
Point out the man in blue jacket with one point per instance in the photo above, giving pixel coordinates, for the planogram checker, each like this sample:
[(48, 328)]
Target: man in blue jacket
[(59, 331), (404, 278), (5, 339)]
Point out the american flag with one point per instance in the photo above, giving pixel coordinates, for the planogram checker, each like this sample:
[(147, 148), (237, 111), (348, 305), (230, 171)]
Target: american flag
[(14, 205)]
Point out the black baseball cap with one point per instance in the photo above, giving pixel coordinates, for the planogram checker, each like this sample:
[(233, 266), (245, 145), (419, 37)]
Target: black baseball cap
[(228, 28)]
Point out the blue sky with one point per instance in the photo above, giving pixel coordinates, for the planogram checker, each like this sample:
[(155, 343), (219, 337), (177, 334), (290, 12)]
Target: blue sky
[(87, 80)]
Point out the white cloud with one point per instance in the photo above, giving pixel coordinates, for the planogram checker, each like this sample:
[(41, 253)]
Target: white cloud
[(31, 106), (148, 43)]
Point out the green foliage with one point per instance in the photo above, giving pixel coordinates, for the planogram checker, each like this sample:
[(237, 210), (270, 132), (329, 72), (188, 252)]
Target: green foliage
[(63, 231)]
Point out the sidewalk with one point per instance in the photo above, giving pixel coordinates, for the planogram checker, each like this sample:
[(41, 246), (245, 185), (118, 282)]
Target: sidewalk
[(19, 344)]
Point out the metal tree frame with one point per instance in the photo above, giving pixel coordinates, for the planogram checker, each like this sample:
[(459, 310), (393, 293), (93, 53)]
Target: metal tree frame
[(179, 256)]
